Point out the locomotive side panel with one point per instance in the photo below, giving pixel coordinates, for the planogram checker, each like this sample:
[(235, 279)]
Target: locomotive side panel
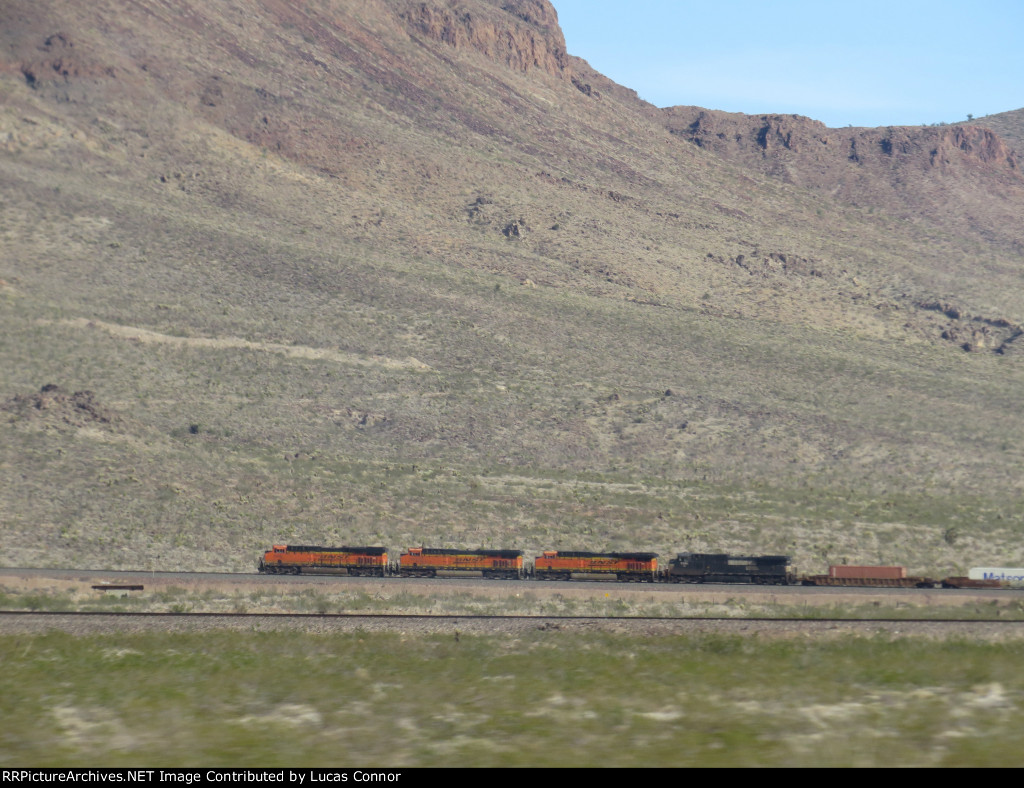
[(726, 568), (625, 567), (298, 559), (493, 564)]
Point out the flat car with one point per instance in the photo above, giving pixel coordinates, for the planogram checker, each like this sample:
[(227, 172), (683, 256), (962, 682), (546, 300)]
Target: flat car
[(868, 577)]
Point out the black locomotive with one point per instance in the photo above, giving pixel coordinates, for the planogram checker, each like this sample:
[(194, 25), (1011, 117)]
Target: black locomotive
[(725, 568)]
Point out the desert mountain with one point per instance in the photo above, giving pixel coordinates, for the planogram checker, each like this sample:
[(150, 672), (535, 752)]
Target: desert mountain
[(1008, 125), (410, 272)]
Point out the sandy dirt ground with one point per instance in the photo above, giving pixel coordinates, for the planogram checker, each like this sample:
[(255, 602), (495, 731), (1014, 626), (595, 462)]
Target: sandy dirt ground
[(276, 592), (78, 584)]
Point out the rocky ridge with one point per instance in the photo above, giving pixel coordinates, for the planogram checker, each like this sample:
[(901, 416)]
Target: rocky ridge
[(909, 171), (521, 34)]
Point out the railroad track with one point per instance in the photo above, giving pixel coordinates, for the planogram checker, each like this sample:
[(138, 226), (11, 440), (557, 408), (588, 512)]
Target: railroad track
[(161, 579), (457, 617), (87, 622)]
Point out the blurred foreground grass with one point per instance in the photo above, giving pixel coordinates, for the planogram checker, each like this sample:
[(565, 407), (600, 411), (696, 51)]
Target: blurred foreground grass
[(544, 699)]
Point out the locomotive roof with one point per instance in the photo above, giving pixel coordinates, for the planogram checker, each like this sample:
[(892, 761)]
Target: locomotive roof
[(490, 553), (293, 548), (735, 557), (587, 554)]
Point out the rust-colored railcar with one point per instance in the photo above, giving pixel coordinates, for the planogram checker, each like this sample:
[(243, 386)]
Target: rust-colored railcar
[(627, 567), (304, 559), (844, 572), (430, 561), (969, 582), (868, 577)]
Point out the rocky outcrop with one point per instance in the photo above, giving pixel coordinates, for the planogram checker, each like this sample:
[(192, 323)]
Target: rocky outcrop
[(733, 134), (946, 175), (799, 140), (539, 13), (522, 34), (56, 58), (53, 404), (972, 142), (973, 333)]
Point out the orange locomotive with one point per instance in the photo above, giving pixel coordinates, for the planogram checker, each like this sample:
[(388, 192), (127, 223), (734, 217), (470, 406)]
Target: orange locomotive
[(296, 559), (627, 567), (428, 561)]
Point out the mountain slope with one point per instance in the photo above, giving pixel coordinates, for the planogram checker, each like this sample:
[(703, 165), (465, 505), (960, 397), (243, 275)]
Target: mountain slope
[(1008, 125), (403, 272)]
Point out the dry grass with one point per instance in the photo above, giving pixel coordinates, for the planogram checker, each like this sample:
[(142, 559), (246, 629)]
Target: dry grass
[(289, 699)]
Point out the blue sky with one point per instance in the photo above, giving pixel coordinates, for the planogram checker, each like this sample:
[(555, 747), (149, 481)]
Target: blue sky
[(867, 63)]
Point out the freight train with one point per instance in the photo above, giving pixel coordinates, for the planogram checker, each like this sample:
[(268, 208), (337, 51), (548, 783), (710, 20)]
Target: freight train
[(576, 565)]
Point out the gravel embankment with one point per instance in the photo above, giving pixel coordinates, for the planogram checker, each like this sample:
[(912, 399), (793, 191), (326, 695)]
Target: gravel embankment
[(35, 623)]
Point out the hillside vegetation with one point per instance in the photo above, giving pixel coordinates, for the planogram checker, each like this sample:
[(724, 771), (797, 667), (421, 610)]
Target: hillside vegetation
[(409, 272)]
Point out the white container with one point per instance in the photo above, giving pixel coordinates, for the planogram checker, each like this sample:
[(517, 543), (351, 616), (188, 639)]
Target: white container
[(1010, 576)]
